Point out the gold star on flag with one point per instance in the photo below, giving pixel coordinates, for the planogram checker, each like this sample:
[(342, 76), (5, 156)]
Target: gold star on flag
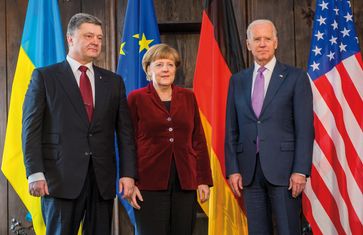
[(122, 48), (144, 43)]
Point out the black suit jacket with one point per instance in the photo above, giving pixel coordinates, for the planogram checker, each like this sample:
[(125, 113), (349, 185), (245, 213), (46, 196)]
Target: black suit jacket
[(285, 126), (58, 139)]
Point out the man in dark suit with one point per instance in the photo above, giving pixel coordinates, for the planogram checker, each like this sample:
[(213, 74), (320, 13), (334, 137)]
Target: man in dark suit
[(269, 135), (71, 113)]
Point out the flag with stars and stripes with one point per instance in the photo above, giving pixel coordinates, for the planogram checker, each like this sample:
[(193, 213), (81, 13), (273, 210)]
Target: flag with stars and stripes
[(333, 198)]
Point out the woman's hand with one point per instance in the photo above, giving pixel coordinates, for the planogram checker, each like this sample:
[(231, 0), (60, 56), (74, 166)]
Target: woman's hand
[(136, 195), (203, 192)]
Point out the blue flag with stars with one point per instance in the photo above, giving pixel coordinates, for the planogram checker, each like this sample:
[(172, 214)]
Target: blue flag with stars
[(140, 32)]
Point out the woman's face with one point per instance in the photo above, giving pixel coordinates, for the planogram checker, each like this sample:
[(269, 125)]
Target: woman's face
[(162, 72)]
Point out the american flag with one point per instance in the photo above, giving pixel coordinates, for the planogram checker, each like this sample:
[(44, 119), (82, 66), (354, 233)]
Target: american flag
[(333, 199)]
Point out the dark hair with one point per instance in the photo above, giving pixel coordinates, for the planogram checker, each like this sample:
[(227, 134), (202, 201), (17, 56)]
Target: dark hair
[(80, 18)]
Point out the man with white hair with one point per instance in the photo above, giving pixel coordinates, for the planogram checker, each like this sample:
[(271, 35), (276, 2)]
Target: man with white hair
[(269, 135)]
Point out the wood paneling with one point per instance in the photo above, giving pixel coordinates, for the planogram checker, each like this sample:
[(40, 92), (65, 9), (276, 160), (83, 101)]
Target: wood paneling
[(187, 46), (175, 11), (358, 18), (3, 112), (303, 33)]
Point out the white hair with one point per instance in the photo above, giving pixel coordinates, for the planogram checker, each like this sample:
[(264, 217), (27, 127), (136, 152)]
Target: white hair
[(257, 22)]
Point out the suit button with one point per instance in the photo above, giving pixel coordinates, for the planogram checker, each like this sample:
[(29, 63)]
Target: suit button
[(168, 119), (259, 122), (170, 129), (171, 140), (86, 153), (90, 135)]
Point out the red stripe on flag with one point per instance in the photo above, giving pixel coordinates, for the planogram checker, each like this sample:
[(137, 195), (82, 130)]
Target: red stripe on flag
[(326, 200), (354, 162), (211, 86), (309, 216), (327, 146), (358, 56), (351, 94)]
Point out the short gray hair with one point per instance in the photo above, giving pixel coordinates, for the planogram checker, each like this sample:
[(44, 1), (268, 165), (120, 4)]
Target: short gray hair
[(257, 22), (78, 19)]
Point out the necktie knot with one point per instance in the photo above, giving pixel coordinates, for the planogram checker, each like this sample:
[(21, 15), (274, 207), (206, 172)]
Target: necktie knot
[(83, 68), (261, 69)]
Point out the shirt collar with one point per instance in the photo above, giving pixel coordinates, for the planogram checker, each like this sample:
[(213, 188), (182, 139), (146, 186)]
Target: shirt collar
[(269, 66), (75, 65)]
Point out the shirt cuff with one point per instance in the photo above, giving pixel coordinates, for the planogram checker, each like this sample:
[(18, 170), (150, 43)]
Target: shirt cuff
[(36, 177)]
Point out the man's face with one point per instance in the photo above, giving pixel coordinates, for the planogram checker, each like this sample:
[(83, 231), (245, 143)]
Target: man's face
[(262, 43), (85, 43)]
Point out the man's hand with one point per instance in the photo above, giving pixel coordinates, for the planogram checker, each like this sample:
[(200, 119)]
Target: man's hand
[(136, 195), (126, 185), (297, 184), (38, 188), (235, 181), (203, 191)]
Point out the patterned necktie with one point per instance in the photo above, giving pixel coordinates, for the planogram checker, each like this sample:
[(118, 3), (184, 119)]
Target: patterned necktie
[(86, 92), (257, 97), (258, 92)]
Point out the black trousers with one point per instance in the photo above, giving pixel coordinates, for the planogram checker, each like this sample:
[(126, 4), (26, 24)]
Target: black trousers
[(264, 201), (63, 216), (167, 212)]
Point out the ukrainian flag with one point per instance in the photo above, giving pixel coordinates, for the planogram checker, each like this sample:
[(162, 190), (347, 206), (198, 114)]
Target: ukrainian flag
[(140, 33), (42, 44)]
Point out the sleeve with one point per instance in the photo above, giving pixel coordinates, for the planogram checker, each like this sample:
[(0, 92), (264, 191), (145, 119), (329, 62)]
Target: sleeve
[(304, 124), (32, 120), (231, 133), (125, 136)]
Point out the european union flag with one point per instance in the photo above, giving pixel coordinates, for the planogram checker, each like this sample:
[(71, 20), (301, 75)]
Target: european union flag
[(140, 32)]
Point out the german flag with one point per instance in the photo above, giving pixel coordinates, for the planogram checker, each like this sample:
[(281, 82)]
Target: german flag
[(219, 55)]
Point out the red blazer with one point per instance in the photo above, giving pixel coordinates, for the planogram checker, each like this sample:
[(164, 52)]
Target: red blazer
[(161, 134)]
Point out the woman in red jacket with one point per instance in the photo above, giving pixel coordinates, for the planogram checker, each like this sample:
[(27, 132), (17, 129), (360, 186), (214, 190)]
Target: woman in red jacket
[(172, 156)]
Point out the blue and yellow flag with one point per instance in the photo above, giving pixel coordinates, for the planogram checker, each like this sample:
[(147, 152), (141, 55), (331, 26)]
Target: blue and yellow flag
[(140, 32), (42, 44)]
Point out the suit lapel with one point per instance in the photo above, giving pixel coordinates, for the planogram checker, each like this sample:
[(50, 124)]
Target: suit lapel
[(277, 78), (102, 92), (156, 99), (68, 81)]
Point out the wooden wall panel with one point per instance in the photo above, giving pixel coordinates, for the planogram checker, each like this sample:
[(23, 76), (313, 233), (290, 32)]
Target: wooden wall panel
[(187, 46), (3, 116), (357, 6), (281, 13), (303, 32), (67, 9), (97, 8), (178, 11)]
